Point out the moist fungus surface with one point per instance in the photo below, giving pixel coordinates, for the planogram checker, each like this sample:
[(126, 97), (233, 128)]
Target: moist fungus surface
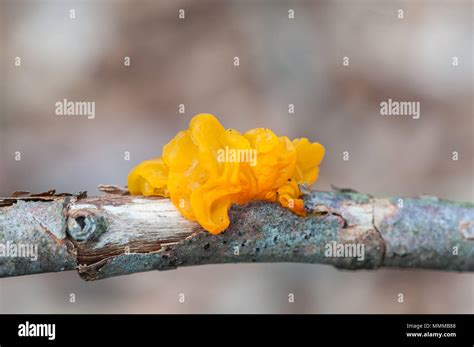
[(207, 168)]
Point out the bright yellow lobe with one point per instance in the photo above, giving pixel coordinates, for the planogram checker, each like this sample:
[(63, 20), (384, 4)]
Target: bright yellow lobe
[(206, 168)]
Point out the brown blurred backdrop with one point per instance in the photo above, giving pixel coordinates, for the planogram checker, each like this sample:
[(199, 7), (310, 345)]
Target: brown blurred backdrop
[(282, 61)]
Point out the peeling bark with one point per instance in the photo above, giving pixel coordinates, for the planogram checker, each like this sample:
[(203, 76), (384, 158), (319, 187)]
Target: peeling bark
[(114, 235)]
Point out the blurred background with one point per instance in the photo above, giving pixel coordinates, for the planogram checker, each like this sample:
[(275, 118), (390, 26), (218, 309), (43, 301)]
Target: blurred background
[(282, 61)]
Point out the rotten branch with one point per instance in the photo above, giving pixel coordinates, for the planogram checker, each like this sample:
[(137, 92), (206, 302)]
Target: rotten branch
[(117, 234)]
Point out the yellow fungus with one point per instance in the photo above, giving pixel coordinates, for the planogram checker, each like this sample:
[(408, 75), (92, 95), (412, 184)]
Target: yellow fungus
[(206, 168)]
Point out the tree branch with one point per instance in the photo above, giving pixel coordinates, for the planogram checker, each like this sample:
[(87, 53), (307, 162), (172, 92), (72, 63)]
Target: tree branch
[(114, 235)]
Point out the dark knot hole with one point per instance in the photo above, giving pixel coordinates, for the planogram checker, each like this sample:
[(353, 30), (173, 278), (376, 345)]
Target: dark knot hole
[(81, 220)]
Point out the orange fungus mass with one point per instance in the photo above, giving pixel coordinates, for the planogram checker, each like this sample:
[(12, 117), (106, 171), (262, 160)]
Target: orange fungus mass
[(206, 168)]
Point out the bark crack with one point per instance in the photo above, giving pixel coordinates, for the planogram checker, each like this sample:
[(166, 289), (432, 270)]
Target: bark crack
[(48, 232), (383, 242)]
